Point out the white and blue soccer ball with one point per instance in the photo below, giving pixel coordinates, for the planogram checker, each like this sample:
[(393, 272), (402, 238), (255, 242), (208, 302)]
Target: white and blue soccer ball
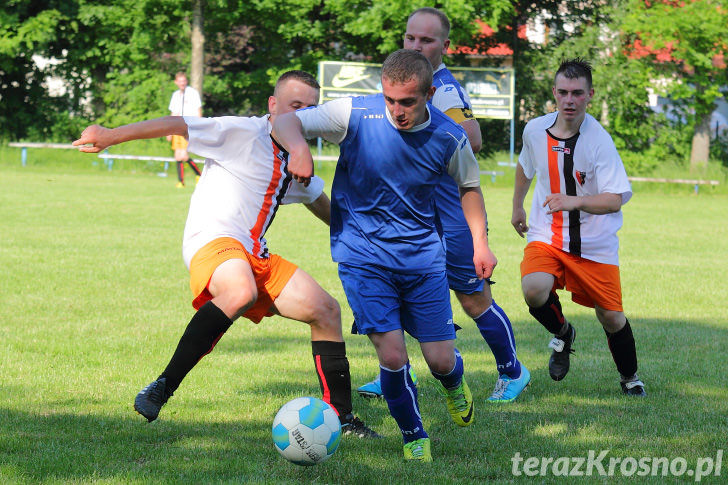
[(306, 431)]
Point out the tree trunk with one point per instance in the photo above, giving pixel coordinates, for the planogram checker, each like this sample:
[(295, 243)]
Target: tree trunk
[(700, 152), (197, 62)]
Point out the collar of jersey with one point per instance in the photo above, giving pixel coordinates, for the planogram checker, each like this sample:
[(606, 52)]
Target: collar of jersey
[(419, 127)]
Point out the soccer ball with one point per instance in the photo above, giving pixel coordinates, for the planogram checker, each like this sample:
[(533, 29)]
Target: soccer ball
[(306, 431)]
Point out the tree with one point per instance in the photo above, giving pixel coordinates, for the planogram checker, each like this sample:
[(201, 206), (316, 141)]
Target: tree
[(27, 29), (197, 61), (684, 42)]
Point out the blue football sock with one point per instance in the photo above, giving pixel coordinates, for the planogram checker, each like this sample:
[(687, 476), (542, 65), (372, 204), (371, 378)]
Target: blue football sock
[(452, 379), (495, 327), (401, 396)]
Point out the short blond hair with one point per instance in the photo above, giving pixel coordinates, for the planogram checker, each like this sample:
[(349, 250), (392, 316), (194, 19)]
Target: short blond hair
[(405, 65)]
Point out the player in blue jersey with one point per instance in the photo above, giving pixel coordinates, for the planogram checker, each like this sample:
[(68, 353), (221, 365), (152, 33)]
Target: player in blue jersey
[(394, 150), (427, 32)]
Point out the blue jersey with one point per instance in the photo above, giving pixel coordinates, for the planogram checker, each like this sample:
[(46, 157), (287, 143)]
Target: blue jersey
[(382, 208), (452, 99)]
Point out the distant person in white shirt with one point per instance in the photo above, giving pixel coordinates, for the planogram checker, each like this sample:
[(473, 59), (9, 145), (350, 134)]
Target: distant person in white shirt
[(185, 102)]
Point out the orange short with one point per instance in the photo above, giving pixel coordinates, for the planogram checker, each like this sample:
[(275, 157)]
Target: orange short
[(179, 142), (589, 282), (271, 274)]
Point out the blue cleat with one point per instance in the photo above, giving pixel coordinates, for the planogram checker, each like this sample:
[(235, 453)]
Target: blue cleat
[(373, 389), (507, 389)]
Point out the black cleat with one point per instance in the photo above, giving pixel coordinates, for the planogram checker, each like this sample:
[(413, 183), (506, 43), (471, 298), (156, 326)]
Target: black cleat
[(353, 426), (151, 399), (559, 361), (634, 387)]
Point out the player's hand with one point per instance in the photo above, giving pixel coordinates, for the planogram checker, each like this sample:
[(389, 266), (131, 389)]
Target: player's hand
[(169, 137), (558, 203), (94, 139), (300, 165), (518, 219), (484, 261)]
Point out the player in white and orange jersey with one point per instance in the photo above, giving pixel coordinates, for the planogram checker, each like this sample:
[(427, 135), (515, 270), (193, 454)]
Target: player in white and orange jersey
[(576, 213), (232, 274)]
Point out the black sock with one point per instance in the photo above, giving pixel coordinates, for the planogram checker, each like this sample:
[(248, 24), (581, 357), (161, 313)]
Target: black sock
[(549, 315), (200, 337), (181, 172), (622, 346), (332, 369)]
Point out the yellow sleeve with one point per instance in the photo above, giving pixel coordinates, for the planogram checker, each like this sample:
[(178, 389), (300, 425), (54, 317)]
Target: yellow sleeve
[(460, 114)]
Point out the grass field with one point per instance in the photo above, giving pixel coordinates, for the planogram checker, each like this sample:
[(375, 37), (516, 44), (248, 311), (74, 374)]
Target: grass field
[(95, 297)]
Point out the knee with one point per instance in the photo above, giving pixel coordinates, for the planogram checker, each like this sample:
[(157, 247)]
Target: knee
[(535, 296), (536, 288), (392, 359), (611, 321), (475, 304), (326, 314), (440, 358), (236, 303)]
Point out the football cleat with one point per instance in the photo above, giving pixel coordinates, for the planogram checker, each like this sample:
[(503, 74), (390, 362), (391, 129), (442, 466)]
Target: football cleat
[(353, 426), (373, 389), (507, 389), (418, 450), (634, 387), (151, 399), (559, 361), (460, 403)]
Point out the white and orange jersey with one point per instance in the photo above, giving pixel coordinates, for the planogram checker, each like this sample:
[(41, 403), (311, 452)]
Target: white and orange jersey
[(242, 185), (585, 164)]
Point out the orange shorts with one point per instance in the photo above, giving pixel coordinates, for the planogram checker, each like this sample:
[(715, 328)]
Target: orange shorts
[(179, 142), (589, 282), (271, 274)]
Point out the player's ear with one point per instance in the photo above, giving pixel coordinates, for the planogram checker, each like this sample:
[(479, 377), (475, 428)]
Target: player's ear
[(431, 92), (445, 47), (272, 105)]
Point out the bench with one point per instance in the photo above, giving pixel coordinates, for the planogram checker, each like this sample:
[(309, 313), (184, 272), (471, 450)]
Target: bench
[(695, 182), (107, 157), (25, 146), (110, 157)]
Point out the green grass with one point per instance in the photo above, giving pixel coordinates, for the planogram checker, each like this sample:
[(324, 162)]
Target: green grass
[(95, 297)]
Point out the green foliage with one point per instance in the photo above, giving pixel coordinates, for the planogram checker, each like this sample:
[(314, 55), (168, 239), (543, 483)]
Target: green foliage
[(685, 44), (118, 58), (692, 36), (719, 148)]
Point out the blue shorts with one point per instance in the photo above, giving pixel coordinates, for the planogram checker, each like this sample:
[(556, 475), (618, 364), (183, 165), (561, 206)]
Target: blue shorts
[(456, 238), (383, 301)]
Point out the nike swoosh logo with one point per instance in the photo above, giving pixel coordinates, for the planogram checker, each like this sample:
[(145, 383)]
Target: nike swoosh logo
[(467, 417), (342, 82)]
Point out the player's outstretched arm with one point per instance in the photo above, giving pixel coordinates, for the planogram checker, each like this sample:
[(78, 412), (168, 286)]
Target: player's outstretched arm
[(484, 260), (288, 131), (96, 138)]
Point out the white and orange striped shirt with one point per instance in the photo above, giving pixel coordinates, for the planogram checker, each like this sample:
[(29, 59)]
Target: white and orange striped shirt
[(242, 185), (585, 164)]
